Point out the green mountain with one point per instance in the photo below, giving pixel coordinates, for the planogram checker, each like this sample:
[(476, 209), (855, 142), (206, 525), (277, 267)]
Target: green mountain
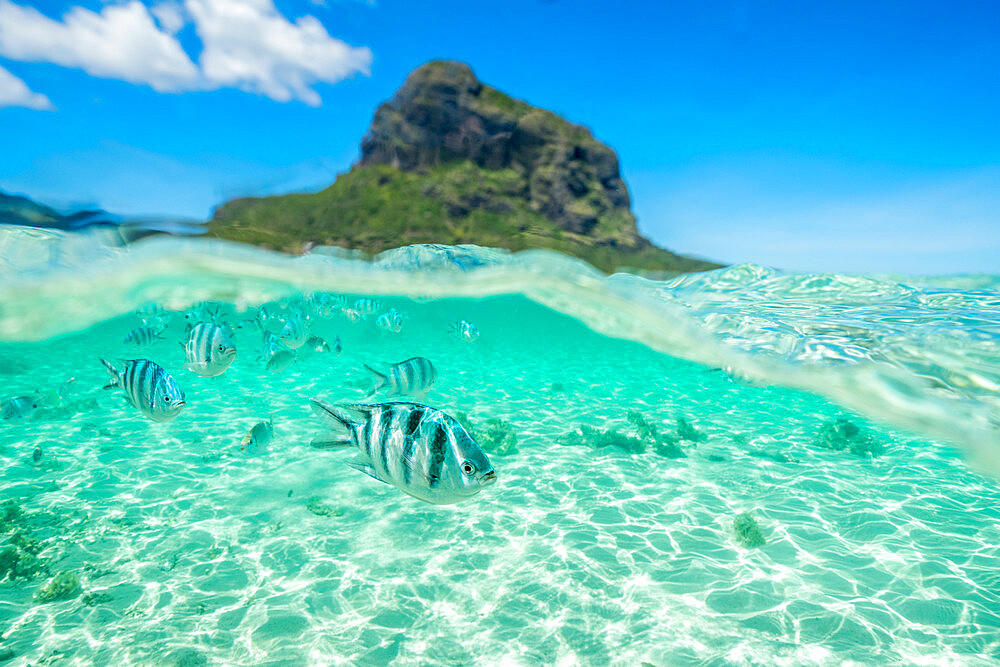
[(451, 160), (17, 210)]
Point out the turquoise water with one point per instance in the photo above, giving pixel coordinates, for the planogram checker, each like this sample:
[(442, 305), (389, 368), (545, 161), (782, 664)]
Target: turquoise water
[(855, 419)]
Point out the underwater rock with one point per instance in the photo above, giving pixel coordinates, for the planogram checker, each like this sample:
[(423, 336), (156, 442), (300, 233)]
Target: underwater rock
[(747, 531), (498, 437), (777, 457), (842, 434), (94, 599), (642, 426), (664, 444), (602, 439), (187, 657), (316, 505), (25, 543), (685, 431), (63, 586), (17, 564), (495, 437), (10, 513)]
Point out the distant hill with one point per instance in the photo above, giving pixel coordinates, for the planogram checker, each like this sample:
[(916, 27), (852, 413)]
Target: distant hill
[(17, 210), (451, 160)]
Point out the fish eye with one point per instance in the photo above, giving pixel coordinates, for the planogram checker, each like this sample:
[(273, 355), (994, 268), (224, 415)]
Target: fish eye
[(166, 399), (468, 468), (222, 348)]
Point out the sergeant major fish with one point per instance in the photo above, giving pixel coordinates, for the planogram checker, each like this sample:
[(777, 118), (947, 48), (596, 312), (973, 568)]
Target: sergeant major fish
[(390, 321), (18, 407), (367, 307), (413, 376), (257, 437), (143, 337), (294, 333), (418, 449), (209, 350), (467, 331), (317, 344), (148, 387)]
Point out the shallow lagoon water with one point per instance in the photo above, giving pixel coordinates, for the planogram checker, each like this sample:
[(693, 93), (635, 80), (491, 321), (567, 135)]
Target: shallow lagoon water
[(190, 552)]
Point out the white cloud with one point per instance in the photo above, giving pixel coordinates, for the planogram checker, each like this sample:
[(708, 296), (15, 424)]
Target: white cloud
[(15, 93), (246, 44), (171, 16), (120, 42)]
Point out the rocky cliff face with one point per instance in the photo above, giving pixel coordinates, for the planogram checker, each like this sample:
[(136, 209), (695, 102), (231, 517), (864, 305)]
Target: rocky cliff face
[(451, 160), (444, 114)]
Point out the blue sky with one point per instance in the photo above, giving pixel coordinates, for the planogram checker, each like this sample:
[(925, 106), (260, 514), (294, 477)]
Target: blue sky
[(849, 136)]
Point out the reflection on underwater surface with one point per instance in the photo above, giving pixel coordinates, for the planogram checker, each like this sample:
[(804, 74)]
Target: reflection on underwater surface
[(647, 508)]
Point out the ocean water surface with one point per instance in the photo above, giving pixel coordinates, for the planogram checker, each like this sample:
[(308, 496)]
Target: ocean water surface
[(731, 468)]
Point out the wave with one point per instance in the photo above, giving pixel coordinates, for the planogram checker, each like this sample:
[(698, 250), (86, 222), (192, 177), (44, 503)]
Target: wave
[(922, 354)]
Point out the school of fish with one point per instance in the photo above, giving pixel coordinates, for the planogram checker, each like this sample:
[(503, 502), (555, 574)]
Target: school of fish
[(419, 449)]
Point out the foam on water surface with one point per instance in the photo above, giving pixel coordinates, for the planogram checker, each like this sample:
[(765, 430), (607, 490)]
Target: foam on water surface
[(188, 551)]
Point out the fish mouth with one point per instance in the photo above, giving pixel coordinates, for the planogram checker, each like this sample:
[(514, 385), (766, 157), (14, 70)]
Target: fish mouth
[(489, 478)]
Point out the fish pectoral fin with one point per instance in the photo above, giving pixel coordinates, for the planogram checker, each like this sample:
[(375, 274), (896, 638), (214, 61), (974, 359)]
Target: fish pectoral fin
[(415, 471), (330, 443), (367, 469)]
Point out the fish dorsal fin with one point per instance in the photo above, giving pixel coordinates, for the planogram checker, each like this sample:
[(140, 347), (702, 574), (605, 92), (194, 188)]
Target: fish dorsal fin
[(367, 469), (363, 409)]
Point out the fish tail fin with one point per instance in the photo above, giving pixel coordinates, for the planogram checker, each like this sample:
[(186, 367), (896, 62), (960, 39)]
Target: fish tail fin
[(380, 379), (115, 375), (338, 421), (332, 416)]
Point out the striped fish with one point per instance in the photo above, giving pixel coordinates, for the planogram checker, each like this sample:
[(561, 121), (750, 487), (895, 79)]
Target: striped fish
[(148, 387), (267, 317), (18, 407), (294, 333), (257, 438), (143, 337), (278, 356), (367, 307), (280, 360), (209, 350), (325, 304), (411, 377), (416, 448), (152, 314), (317, 344), (467, 331), (337, 347), (390, 321)]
